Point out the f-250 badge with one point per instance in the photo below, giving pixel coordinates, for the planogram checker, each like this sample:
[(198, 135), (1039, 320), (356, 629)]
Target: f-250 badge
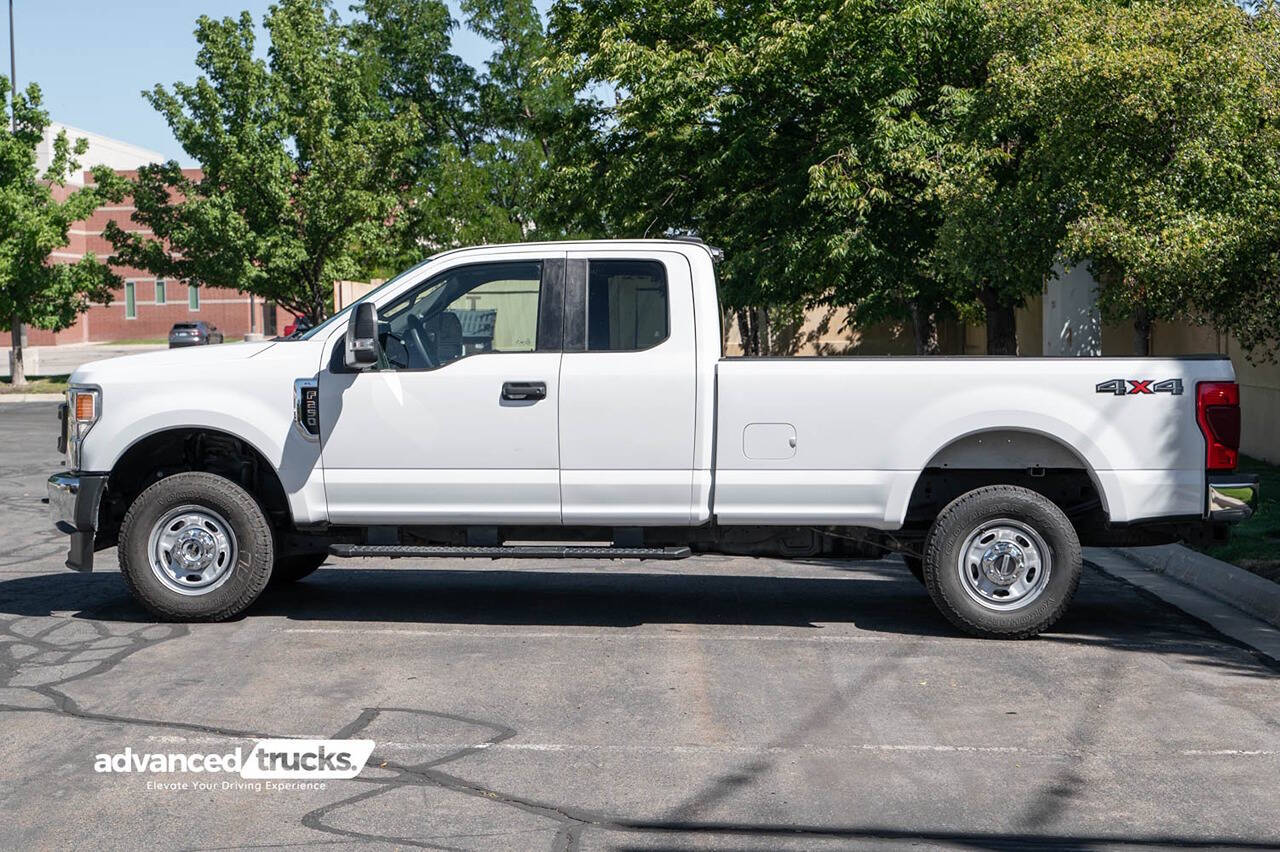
[(1128, 387)]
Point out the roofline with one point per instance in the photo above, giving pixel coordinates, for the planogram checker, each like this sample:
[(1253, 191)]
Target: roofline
[(711, 252)]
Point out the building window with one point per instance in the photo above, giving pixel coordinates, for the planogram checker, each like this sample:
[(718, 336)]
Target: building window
[(160, 294), (130, 301), (193, 297)]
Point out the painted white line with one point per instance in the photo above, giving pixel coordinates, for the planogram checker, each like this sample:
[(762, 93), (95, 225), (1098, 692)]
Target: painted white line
[(1047, 643), (390, 747)]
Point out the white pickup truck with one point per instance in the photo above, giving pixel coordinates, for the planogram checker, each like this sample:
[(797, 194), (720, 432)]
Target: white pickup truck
[(572, 400)]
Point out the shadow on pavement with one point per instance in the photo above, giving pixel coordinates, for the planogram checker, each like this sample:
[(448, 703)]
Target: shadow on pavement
[(873, 596)]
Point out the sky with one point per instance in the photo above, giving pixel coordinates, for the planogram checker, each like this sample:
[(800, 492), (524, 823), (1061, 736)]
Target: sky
[(93, 58)]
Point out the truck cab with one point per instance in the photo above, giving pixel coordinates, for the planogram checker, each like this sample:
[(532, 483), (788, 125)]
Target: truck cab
[(572, 400)]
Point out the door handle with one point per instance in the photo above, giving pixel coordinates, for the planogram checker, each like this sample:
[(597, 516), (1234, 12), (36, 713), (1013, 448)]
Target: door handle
[(527, 391)]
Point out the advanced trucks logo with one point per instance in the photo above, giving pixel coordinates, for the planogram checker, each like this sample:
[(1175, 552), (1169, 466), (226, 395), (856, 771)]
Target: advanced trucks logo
[(269, 760)]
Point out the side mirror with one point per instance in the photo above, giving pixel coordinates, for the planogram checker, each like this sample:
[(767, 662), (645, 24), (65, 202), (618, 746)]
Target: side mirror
[(361, 350)]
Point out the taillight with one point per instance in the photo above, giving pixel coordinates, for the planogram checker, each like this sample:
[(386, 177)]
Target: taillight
[(1218, 413)]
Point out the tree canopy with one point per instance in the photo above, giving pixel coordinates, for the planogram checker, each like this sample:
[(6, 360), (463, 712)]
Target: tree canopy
[(1140, 138), (303, 167), (34, 223), (909, 162)]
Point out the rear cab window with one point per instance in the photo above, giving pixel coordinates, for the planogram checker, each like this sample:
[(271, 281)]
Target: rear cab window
[(627, 305)]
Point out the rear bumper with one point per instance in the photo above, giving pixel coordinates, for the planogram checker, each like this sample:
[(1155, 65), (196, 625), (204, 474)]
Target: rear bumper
[(1232, 497), (73, 503)]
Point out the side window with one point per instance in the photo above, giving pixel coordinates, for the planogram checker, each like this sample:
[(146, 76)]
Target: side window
[(487, 307), (626, 305)]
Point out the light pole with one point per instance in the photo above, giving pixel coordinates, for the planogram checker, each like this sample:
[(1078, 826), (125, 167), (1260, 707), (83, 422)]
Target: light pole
[(17, 373), (13, 75)]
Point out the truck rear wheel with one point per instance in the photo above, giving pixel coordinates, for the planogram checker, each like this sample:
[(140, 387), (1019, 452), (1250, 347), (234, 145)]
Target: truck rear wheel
[(1002, 562), (195, 547)]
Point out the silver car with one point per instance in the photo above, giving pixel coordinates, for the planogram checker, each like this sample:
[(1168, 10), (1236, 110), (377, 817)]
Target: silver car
[(193, 334)]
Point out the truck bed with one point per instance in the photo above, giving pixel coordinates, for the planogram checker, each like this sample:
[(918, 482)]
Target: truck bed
[(843, 440)]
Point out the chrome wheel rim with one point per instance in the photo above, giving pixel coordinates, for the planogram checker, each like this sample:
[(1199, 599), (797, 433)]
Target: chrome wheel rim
[(192, 550), (1005, 565)]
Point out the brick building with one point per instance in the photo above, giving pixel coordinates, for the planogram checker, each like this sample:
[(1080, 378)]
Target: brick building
[(145, 307)]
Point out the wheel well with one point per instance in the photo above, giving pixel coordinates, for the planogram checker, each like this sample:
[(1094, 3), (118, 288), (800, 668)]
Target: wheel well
[(1031, 460), (1070, 489), (187, 449)]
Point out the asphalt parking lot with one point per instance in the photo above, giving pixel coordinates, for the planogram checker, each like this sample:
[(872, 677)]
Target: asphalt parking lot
[(714, 703)]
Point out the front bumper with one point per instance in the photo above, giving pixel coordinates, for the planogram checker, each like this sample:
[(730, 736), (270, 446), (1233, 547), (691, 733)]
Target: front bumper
[(73, 503), (1232, 497)]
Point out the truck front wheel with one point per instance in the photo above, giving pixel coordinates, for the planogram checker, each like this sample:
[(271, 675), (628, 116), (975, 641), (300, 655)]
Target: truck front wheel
[(195, 547), (1002, 562)]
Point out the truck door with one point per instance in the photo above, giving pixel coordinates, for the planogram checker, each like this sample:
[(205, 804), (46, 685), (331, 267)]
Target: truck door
[(627, 389), (458, 423)]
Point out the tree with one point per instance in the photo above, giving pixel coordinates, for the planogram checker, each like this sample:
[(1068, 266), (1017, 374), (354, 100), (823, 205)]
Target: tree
[(806, 137), (521, 101), (479, 163), (880, 190), (406, 49), (305, 170), (703, 120), (1141, 138), (34, 223)]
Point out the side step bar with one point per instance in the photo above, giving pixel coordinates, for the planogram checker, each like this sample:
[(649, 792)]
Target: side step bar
[(521, 551)]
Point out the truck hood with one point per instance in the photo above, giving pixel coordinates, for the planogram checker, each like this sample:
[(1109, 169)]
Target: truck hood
[(197, 359)]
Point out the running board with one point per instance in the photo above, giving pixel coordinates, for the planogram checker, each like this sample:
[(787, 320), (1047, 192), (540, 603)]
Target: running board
[(521, 551)]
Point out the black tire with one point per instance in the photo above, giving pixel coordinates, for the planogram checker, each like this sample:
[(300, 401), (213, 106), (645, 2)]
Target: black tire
[(254, 547), (915, 565), (292, 568), (952, 529)]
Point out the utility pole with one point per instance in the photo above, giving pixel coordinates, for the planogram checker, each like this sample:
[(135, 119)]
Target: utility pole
[(17, 372)]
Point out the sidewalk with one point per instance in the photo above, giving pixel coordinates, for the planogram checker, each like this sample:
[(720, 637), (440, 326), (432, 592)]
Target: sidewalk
[(61, 360), (1242, 589)]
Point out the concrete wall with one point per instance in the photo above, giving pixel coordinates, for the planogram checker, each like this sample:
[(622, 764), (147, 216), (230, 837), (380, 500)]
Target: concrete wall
[(824, 331)]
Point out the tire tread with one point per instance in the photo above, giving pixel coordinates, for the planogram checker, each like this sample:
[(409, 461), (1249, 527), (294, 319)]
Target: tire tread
[(195, 487), (1048, 610)]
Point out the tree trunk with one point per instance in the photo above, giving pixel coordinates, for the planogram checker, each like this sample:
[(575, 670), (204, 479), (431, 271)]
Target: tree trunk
[(18, 378), (763, 346), (748, 331), (1142, 325), (926, 330), (1002, 326)]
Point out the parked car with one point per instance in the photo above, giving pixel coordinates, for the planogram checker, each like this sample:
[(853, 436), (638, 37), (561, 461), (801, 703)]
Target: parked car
[(601, 408), (193, 334), (297, 328)]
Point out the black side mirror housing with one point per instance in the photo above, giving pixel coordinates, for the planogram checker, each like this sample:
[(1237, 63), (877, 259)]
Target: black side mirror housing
[(361, 349)]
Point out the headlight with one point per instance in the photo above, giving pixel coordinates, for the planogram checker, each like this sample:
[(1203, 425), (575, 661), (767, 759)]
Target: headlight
[(84, 407)]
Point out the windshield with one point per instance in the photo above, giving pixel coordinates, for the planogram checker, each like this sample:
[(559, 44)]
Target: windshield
[(324, 327)]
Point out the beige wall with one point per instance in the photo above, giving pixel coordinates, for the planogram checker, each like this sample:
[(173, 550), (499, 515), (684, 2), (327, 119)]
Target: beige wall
[(823, 331), (346, 292)]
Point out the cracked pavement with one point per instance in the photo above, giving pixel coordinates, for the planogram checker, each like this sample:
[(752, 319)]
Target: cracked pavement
[(715, 703)]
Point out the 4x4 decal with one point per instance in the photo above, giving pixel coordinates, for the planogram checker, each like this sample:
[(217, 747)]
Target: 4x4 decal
[(1128, 387)]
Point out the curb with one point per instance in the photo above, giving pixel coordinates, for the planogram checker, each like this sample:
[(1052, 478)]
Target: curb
[(1222, 580), (31, 397)]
